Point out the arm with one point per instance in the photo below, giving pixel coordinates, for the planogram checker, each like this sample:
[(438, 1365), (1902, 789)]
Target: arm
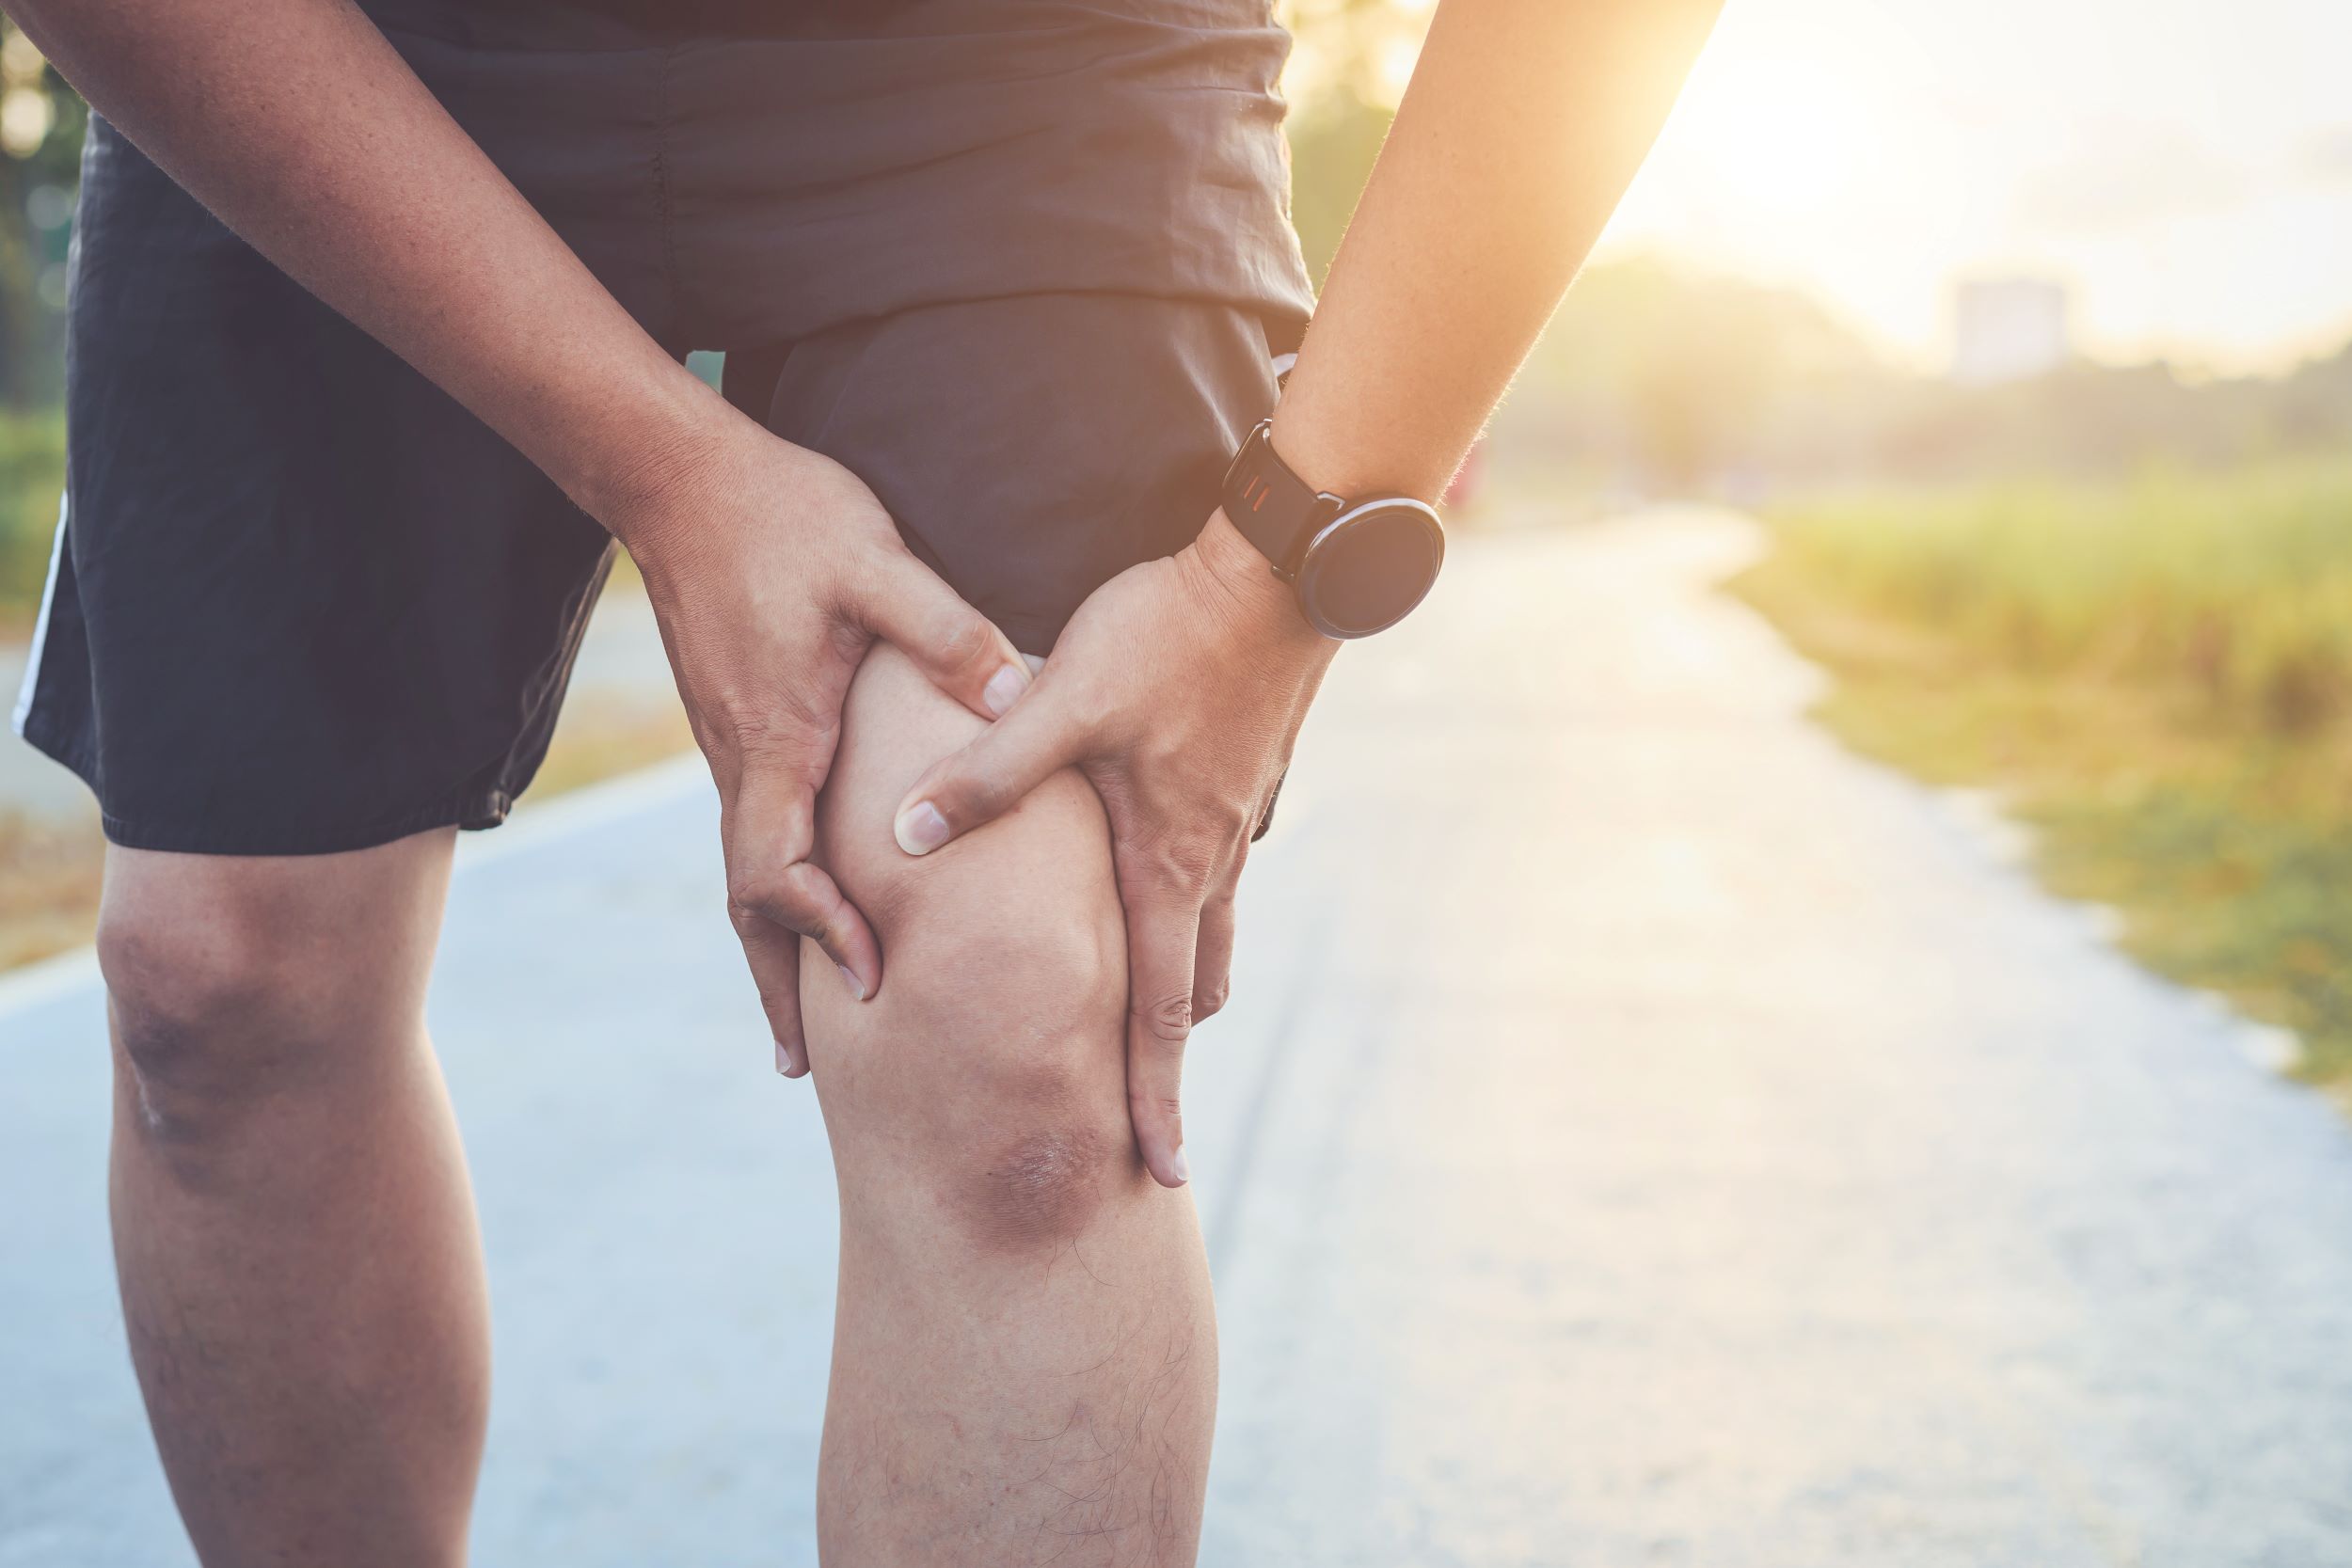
[(324, 152), (770, 568), (1181, 685), (1525, 122)]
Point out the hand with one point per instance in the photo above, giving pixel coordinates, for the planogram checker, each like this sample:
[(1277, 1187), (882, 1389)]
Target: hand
[(771, 570), (1178, 688)]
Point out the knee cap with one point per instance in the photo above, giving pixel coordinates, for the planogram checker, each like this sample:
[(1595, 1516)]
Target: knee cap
[(1034, 1125), (1039, 1187), (202, 1015)]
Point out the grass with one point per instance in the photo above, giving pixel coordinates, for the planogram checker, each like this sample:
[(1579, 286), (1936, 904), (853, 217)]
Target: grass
[(2156, 675), (48, 887)]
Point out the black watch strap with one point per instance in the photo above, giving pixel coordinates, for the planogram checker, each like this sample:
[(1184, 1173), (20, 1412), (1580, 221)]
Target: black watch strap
[(1272, 507)]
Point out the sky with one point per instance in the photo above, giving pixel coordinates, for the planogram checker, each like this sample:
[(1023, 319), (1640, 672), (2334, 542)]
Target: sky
[(2184, 166)]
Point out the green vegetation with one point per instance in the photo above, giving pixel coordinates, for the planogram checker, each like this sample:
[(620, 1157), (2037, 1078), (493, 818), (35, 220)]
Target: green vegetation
[(32, 474), (41, 150), (2156, 674), (49, 877), (1673, 381)]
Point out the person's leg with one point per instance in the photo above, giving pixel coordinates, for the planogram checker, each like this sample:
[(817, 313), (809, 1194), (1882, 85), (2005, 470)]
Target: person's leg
[(301, 1275), (1024, 1355)]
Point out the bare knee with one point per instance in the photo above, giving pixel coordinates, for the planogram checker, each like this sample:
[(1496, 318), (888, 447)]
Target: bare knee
[(988, 1074), (226, 990), (201, 1016), (1039, 1138), (1037, 1187)]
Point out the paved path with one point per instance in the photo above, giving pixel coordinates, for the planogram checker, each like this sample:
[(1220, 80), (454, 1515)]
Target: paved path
[(1643, 1135)]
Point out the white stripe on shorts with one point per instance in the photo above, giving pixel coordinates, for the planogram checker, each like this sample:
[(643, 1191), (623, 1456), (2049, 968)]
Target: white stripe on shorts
[(40, 629)]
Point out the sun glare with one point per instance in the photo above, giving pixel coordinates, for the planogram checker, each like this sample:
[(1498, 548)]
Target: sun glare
[(2183, 167)]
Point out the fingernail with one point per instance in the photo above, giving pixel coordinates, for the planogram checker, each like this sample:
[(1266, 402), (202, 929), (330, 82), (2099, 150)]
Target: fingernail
[(921, 829), (1181, 1166), (783, 1061), (1003, 688), (857, 987)]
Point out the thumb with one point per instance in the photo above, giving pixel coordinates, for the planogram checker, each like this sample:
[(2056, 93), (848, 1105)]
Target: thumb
[(1041, 735), (908, 606)]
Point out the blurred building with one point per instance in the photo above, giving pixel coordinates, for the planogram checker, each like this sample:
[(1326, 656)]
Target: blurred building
[(2009, 329)]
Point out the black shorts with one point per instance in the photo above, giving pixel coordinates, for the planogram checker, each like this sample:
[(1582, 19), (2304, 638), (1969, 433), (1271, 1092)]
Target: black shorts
[(1020, 264)]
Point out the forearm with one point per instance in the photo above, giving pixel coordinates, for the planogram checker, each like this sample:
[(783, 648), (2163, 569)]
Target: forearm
[(298, 125), (1524, 123)]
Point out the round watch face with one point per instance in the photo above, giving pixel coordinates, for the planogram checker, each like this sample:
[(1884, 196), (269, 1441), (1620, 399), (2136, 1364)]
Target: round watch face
[(1369, 566)]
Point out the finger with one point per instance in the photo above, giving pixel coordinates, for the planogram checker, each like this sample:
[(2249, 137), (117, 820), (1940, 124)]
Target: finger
[(774, 955), (1162, 932), (771, 829), (990, 775), (960, 649), (1213, 953)]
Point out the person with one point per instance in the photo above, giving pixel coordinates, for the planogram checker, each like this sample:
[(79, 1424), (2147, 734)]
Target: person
[(378, 319)]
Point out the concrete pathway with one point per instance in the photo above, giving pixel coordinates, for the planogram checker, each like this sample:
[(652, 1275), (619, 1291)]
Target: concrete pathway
[(1644, 1134)]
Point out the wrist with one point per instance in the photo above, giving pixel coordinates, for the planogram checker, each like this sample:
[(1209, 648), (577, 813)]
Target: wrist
[(1262, 599), (635, 480), (1312, 445), (1323, 439)]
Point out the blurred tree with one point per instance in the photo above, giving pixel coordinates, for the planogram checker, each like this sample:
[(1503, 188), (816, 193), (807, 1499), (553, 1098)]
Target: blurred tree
[(1350, 63), (41, 120), (1333, 147), (1684, 378)]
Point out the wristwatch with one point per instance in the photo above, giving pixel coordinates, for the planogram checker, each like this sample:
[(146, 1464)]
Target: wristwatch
[(1357, 565)]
